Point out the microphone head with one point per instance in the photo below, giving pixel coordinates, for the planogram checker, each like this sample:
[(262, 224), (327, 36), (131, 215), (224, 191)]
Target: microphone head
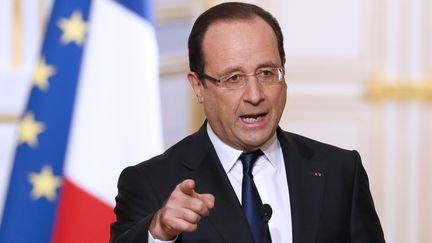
[(266, 212)]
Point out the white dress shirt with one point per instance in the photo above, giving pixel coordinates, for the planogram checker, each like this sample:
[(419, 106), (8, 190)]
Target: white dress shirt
[(270, 180)]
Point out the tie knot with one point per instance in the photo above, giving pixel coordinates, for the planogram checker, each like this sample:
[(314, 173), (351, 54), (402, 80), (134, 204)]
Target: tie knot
[(248, 159)]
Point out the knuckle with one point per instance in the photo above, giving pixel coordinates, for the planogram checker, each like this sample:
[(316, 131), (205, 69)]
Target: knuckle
[(191, 216), (189, 227)]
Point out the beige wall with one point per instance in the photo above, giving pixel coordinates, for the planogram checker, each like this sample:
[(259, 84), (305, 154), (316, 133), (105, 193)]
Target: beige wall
[(359, 77)]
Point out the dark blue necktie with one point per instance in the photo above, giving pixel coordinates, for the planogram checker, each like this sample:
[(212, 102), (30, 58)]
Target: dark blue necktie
[(251, 201)]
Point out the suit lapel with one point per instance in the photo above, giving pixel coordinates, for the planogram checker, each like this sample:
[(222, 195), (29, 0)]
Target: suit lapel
[(306, 180), (205, 168)]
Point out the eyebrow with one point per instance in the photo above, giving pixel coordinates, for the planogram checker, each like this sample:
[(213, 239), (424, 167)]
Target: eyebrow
[(232, 70), (241, 69), (269, 64)]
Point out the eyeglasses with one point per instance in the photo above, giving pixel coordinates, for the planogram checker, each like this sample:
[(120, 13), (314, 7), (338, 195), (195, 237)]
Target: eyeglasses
[(237, 80)]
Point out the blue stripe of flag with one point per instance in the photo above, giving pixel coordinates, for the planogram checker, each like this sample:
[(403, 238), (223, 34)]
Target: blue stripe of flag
[(140, 7), (26, 219)]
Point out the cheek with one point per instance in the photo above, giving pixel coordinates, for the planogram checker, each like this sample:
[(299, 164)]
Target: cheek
[(227, 102), (279, 99), (226, 111), (282, 99), (219, 105)]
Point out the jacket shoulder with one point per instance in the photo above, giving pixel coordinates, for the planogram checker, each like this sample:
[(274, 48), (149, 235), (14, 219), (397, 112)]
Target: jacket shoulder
[(181, 151), (320, 151), (305, 142)]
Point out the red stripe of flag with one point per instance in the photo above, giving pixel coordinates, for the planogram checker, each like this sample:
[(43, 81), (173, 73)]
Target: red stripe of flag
[(81, 217)]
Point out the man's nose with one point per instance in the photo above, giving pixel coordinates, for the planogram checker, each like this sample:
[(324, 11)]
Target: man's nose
[(253, 90)]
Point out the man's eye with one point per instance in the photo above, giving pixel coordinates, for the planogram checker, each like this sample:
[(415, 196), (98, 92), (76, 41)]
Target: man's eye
[(265, 73), (234, 78)]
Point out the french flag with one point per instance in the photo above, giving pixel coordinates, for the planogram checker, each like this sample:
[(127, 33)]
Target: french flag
[(93, 109)]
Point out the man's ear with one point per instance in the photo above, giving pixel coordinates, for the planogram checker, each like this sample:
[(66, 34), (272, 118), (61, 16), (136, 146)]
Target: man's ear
[(196, 85)]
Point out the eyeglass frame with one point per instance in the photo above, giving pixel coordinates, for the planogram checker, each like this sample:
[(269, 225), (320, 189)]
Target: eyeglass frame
[(220, 82)]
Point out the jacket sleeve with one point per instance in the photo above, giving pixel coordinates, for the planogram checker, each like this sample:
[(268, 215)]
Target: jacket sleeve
[(365, 225), (135, 207)]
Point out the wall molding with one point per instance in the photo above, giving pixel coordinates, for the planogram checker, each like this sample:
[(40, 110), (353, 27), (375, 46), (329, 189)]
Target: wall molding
[(381, 88), (173, 64), (9, 118)]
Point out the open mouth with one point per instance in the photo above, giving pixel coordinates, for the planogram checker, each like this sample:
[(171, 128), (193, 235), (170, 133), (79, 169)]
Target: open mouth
[(253, 118)]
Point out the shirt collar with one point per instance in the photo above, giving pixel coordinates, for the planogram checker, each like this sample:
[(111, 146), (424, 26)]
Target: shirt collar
[(229, 155)]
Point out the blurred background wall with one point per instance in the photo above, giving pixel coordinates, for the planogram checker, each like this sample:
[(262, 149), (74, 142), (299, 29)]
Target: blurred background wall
[(358, 73)]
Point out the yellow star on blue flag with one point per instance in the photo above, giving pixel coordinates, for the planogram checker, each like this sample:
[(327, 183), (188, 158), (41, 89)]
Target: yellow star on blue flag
[(74, 28), (42, 74), (44, 183), (29, 130)]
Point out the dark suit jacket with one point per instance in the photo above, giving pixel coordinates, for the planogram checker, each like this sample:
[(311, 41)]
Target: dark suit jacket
[(328, 188)]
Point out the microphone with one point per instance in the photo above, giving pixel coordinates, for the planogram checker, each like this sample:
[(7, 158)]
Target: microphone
[(266, 212)]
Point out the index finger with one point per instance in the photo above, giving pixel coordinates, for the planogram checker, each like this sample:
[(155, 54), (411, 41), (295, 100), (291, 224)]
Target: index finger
[(187, 187)]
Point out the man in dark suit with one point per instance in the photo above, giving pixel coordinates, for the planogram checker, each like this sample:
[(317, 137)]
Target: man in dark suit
[(206, 188)]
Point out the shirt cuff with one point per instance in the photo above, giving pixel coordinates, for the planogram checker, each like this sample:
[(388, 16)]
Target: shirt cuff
[(153, 240)]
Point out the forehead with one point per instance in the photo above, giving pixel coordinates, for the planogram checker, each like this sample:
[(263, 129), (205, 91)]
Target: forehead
[(232, 42), (250, 24)]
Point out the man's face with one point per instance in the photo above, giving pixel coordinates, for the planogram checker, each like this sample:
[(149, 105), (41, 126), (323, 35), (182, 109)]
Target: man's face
[(243, 118)]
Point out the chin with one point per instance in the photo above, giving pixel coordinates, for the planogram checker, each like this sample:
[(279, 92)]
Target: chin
[(253, 143)]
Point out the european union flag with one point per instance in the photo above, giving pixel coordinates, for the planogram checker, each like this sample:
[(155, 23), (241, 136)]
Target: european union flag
[(36, 179)]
